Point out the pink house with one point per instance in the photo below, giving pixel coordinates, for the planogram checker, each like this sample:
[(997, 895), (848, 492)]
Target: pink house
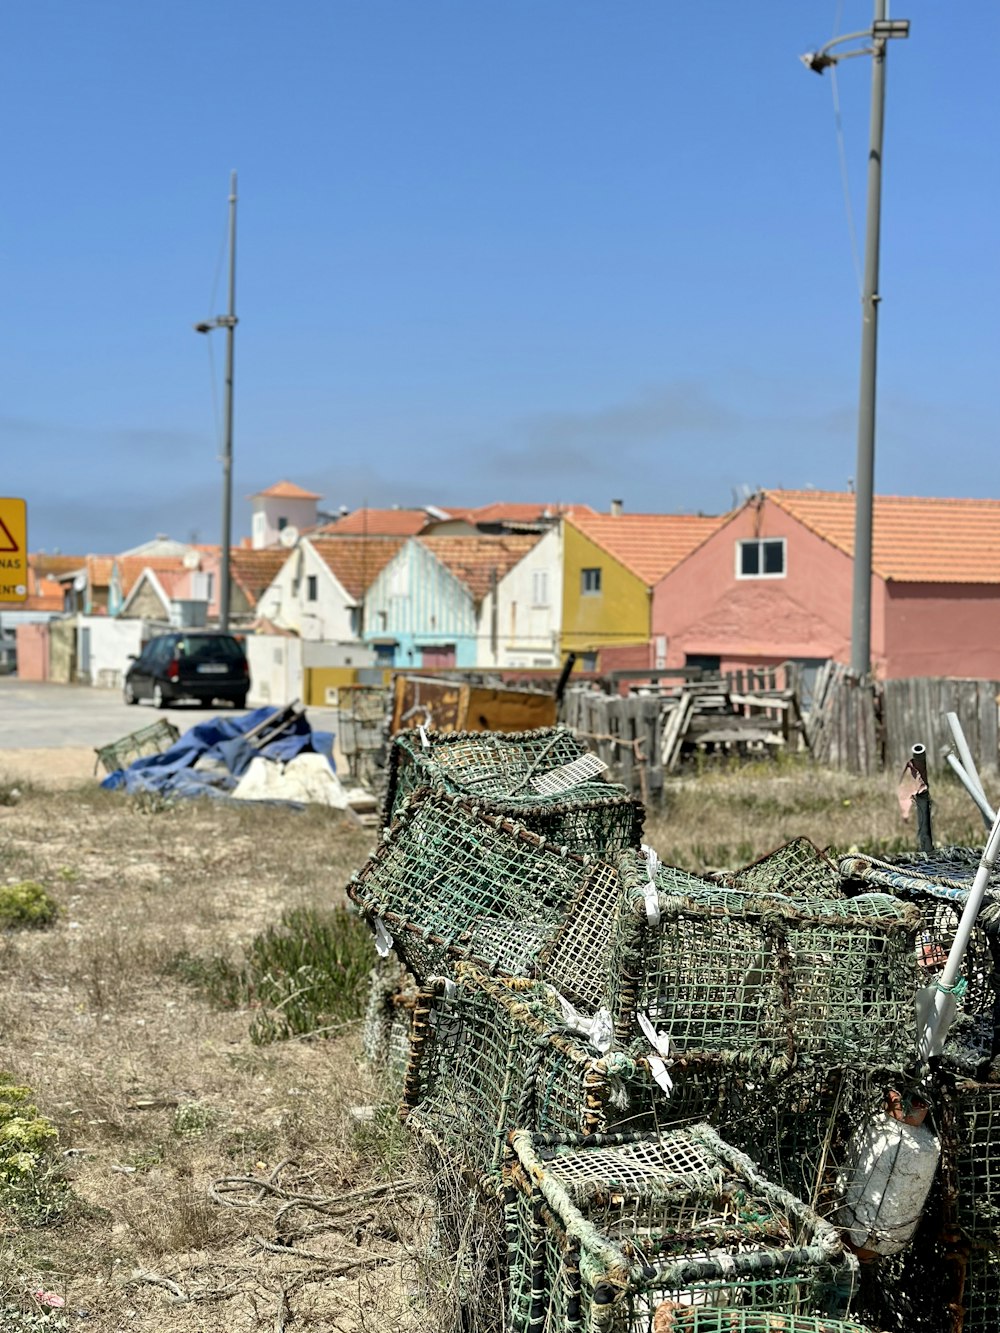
[(773, 583)]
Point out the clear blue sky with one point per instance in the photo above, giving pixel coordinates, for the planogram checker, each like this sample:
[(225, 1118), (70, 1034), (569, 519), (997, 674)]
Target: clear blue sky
[(554, 249)]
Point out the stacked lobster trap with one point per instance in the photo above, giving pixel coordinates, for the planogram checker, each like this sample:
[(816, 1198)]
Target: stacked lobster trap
[(654, 1079)]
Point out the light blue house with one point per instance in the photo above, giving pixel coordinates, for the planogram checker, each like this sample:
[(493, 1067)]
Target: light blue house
[(423, 609)]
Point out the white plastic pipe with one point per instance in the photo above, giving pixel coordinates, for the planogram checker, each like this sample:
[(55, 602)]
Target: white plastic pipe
[(931, 1038), (985, 809), (964, 753)]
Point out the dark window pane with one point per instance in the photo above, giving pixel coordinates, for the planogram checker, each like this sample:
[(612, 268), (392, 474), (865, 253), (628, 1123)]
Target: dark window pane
[(749, 558), (774, 557), (211, 648)]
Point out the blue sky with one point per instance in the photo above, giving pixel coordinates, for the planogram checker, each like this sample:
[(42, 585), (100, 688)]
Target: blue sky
[(554, 249)]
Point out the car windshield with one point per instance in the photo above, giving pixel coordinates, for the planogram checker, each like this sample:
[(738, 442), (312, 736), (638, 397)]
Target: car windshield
[(209, 648)]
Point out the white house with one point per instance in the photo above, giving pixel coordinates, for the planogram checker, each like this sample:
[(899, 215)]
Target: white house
[(319, 590), (525, 631), (283, 507)]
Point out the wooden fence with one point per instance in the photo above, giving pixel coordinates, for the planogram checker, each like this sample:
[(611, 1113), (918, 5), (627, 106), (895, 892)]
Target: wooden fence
[(861, 727)]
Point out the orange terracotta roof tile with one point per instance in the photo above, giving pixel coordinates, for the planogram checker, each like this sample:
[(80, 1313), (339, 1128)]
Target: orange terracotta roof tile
[(649, 545), (130, 568), (502, 512), (356, 561), (255, 570), (378, 523), (286, 490), (51, 566), (915, 539), (473, 559)]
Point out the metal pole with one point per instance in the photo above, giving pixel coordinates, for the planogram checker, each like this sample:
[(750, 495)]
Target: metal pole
[(922, 800), (861, 607), (227, 450)]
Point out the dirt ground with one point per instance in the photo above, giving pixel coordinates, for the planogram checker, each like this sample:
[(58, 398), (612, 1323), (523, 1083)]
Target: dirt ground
[(158, 1096), (66, 767)]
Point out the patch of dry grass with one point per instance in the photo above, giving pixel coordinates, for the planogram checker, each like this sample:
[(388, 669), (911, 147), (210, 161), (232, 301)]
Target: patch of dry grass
[(157, 1093)]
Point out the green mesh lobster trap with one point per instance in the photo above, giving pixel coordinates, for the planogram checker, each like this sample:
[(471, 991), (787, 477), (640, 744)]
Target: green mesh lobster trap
[(971, 1149), (500, 769), (491, 1054), (979, 1301), (385, 1032), (762, 981), (798, 869), (449, 881), (699, 1319), (938, 886), (623, 1233), (154, 739)]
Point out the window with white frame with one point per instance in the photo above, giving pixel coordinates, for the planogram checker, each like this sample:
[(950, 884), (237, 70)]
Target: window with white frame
[(540, 587), (761, 558), (590, 582)]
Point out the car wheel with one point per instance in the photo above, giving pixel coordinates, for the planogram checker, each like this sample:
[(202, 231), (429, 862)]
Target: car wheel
[(240, 701), (159, 698), (129, 694)]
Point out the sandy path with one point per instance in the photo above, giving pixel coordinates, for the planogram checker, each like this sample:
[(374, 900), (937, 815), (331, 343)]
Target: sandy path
[(62, 767)]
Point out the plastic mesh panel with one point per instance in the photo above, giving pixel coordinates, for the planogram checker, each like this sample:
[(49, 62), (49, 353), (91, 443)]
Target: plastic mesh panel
[(939, 897), (730, 1320), (974, 1148), (452, 882), (385, 1032), (496, 769), (798, 869), (147, 740), (489, 1055), (763, 980), (602, 1232), (981, 1293)]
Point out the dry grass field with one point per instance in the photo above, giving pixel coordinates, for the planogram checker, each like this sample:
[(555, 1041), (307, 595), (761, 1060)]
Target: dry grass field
[(219, 1184)]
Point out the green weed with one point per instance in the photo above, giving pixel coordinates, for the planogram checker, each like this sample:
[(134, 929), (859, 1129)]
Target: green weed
[(30, 1186), (304, 976), (26, 906)]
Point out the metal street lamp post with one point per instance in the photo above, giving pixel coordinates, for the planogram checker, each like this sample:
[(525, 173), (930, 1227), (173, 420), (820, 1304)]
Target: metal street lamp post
[(881, 31), (227, 322)]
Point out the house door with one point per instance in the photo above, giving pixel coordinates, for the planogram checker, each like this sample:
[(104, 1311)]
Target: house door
[(438, 655)]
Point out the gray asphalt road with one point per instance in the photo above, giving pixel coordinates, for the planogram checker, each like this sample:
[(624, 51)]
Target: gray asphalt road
[(40, 716)]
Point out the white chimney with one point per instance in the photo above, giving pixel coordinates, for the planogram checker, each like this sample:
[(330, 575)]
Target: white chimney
[(616, 508)]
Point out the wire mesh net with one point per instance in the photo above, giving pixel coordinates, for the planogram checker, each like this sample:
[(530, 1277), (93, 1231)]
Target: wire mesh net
[(626, 1233), (938, 888), (492, 1054), (450, 881), (980, 1301), (699, 1319), (385, 1032), (153, 739), (798, 869), (972, 1157), (467, 1245), (763, 981), (497, 769)]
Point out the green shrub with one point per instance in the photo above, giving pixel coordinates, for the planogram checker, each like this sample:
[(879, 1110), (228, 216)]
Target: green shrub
[(26, 905), (29, 1184), (304, 976)]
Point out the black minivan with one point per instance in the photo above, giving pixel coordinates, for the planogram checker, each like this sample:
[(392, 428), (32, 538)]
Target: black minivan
[(187, 665)]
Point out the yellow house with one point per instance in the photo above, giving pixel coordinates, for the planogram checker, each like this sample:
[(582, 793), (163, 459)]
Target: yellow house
[(611, 563)]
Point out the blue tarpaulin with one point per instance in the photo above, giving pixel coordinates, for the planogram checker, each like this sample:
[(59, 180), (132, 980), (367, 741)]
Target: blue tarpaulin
[(210, 759)]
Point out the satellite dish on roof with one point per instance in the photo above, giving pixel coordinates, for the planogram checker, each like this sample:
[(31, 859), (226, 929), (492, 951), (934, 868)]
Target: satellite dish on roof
[(191, 560), (288, 536)]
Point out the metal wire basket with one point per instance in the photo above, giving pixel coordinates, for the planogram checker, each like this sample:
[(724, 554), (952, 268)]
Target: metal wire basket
[(762, 980), (623, 1233), (497, 770), (449, 881)]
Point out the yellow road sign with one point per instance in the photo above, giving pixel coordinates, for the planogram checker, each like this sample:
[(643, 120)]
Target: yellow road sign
[(13, 550)]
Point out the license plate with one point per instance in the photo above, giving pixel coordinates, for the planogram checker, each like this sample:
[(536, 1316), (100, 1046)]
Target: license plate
[(212, 669)]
